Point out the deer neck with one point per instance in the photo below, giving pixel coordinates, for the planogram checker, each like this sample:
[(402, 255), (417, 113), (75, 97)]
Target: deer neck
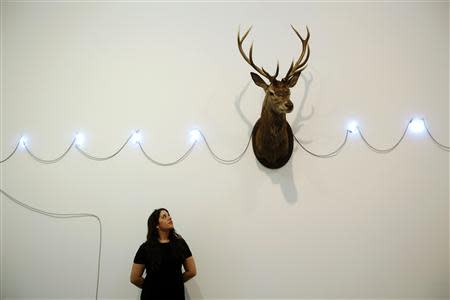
[(272, 122)]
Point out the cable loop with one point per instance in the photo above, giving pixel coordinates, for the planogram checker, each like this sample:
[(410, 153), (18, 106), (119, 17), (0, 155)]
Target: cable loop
[(442, 146), (103, 158), (49, 161), (383, 151), (64, 216), (222, 160), (331, 154), (162, 164)]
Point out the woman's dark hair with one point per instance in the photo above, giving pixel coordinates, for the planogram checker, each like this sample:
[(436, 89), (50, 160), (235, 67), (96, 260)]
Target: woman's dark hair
[(153, 222)]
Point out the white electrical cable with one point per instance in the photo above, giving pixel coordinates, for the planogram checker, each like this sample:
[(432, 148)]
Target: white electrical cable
[(222, 160), (65, 216), (49, 161), (163, 164), (331, 154), (386, 150)]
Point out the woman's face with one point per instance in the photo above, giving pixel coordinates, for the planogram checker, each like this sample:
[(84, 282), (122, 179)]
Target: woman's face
[(165, 221)]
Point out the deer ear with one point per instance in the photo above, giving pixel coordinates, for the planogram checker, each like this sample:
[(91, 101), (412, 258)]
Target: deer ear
[(258, 80), (293, 80)]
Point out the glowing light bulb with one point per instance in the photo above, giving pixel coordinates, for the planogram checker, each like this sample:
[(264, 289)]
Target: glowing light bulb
[(194, 135), (23, 141), (137, 137), (416, 125), (79, 139), (353, 127)]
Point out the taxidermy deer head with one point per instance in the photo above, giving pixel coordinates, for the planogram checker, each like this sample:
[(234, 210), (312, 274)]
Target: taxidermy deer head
[(272, 137)]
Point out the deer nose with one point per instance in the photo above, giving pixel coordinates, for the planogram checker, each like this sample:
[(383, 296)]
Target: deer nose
[(289, 105)]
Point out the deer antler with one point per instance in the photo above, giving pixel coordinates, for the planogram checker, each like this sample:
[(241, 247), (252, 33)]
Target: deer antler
[(300, 64), (249, 59)]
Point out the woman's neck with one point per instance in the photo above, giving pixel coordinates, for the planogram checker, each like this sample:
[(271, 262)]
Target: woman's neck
[(163, 236)]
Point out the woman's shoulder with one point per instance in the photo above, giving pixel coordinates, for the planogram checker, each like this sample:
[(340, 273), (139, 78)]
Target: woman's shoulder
[(145, 245), (148, 247)]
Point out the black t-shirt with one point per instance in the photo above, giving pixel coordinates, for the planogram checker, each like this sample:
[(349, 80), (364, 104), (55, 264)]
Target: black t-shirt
[(163, 262)]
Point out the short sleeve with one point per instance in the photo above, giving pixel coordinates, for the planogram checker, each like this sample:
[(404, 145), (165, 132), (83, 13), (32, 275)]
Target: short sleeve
[(186, 252), (141, 255)]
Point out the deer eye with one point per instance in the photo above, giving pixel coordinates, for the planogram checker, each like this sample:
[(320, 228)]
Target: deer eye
[(271, 93)]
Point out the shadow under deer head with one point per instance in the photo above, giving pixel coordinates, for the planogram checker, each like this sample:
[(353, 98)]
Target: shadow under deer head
[(272, 137)]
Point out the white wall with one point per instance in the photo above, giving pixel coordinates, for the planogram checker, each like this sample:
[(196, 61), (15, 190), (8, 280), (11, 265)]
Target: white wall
[(360, 225)]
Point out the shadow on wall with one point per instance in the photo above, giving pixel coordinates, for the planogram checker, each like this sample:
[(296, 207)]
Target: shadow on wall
[(285, 179), (283, 176)]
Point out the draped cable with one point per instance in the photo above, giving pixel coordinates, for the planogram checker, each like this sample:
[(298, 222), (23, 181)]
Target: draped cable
[(442, 146), (92, 157), (383, 151), (11, 154), (163, 164), (49, 161), (65, 216), (331, 154), (222, 160)]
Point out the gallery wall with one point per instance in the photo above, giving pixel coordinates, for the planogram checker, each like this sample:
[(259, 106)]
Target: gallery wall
[(360, 224)]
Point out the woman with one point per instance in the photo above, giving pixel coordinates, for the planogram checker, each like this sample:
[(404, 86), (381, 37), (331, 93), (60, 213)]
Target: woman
[(162, 256)]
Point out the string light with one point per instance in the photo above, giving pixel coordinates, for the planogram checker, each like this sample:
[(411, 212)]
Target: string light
[(352, 126), (136, 137), (23, 141), (195, 135), (417, 125), (79, 139)]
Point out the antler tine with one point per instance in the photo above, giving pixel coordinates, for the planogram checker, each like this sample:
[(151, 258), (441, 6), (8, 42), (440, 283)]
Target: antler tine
[(276, 72), (305, 43), (245, 34), (300, 64), (289, 71), (278, 69), (249, 59)]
